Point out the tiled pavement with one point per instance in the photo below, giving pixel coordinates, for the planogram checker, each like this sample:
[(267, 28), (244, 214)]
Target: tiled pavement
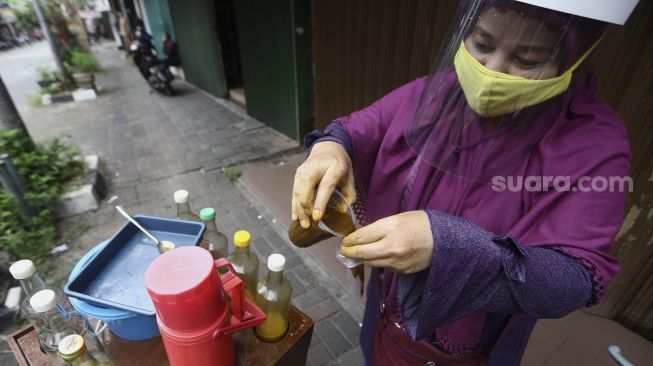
[(152, 145)]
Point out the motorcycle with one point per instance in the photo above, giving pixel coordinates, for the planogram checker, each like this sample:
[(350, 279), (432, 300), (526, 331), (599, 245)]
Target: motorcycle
[(156, 73)]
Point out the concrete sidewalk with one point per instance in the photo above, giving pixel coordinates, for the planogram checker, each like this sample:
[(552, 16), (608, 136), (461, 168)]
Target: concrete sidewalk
[(152, 145)]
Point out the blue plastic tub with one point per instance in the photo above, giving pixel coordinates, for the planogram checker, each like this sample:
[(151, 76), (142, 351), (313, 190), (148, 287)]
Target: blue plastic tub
[(124, 324), (115, 277)]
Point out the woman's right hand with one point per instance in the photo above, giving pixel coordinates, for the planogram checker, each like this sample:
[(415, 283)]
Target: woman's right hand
[(327, 167)]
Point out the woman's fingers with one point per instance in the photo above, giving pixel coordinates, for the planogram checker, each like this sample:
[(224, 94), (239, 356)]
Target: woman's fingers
[(299, 214), (380, 263), (324, 191), (348, 190), (297, 210), (380, 254), (374, 251), (367, 234), (303, 188), (326, 168), (293, 203), (402, 243)]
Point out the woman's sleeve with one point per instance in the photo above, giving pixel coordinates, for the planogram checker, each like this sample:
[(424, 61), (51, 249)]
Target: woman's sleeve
[(473, 269), (565, 260), (334, 132)]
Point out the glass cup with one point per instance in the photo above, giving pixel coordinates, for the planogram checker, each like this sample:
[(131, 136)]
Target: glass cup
[(338, 226), (338, 220)]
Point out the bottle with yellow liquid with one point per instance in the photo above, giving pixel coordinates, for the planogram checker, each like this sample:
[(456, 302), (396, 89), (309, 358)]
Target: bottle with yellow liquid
[(245, 262), (273, 297), (72, 350)]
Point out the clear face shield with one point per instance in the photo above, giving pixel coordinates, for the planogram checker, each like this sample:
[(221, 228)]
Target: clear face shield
[(498, 84)]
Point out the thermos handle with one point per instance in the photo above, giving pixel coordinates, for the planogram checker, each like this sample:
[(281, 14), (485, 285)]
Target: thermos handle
[(245, 313), (232, 285)]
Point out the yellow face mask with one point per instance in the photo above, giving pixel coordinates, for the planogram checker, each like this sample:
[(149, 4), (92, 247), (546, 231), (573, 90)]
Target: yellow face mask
[(491, 93)]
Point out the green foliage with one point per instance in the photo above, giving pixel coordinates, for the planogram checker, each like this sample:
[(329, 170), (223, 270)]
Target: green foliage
[(26, 17), (52, 89), (35, 99), (84, 62), (56, 86), (47, 73), (44, 170), (64, 39), (232, 172), (80, 4)]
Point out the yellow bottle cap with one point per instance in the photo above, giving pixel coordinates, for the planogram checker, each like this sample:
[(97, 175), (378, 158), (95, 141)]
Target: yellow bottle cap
[(71, 347), (242, 238)]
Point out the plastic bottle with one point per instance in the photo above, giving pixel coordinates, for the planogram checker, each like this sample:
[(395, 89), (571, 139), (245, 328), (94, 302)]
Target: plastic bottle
[(273, 297), (72, 350), (245, 262), (213, 240), (183, 207), (25, 272), (56, 325)]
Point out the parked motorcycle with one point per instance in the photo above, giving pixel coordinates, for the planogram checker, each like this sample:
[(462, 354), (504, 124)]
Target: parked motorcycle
[(156, 73)]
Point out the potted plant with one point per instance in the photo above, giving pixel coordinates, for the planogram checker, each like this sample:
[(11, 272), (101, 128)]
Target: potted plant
[(84, 65), (47, 77)]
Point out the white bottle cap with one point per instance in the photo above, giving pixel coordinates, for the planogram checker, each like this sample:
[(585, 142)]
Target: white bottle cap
[(181, 196), (276, 262), (22, 269), (44, 300)]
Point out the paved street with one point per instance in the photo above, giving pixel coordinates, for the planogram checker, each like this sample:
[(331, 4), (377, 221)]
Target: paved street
[(152, 145)]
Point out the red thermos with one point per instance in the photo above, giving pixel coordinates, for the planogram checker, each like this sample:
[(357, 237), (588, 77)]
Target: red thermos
[(192, 309)]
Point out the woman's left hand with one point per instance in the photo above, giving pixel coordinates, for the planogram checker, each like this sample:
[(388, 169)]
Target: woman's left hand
[(402, 243)]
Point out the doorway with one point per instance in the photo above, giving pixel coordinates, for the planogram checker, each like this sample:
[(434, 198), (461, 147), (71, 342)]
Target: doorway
[(228, 36)]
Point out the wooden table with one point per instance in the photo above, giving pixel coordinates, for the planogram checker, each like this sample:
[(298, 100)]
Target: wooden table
[(291, 350)]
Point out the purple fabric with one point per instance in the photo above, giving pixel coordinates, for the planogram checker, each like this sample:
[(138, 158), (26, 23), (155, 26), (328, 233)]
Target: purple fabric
[(333, 132), (587, 139), (473, 270)]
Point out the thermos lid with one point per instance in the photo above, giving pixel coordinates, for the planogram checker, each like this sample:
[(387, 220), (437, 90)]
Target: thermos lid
[(43, 301), (276, 262), (22, 269), (181, 196), (179, 271), (186, 290)]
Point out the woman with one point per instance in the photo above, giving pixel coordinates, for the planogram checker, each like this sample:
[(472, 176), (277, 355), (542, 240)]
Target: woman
[(464, 259)]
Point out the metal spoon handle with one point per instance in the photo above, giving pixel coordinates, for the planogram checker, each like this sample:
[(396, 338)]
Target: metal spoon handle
[(133, 221), (615, 352)]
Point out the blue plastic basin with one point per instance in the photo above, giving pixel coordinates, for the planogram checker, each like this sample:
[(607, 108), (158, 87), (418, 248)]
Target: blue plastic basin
[(124, 324), (115, 276)]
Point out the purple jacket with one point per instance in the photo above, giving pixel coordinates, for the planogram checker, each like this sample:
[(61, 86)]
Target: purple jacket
[(498, 254)]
